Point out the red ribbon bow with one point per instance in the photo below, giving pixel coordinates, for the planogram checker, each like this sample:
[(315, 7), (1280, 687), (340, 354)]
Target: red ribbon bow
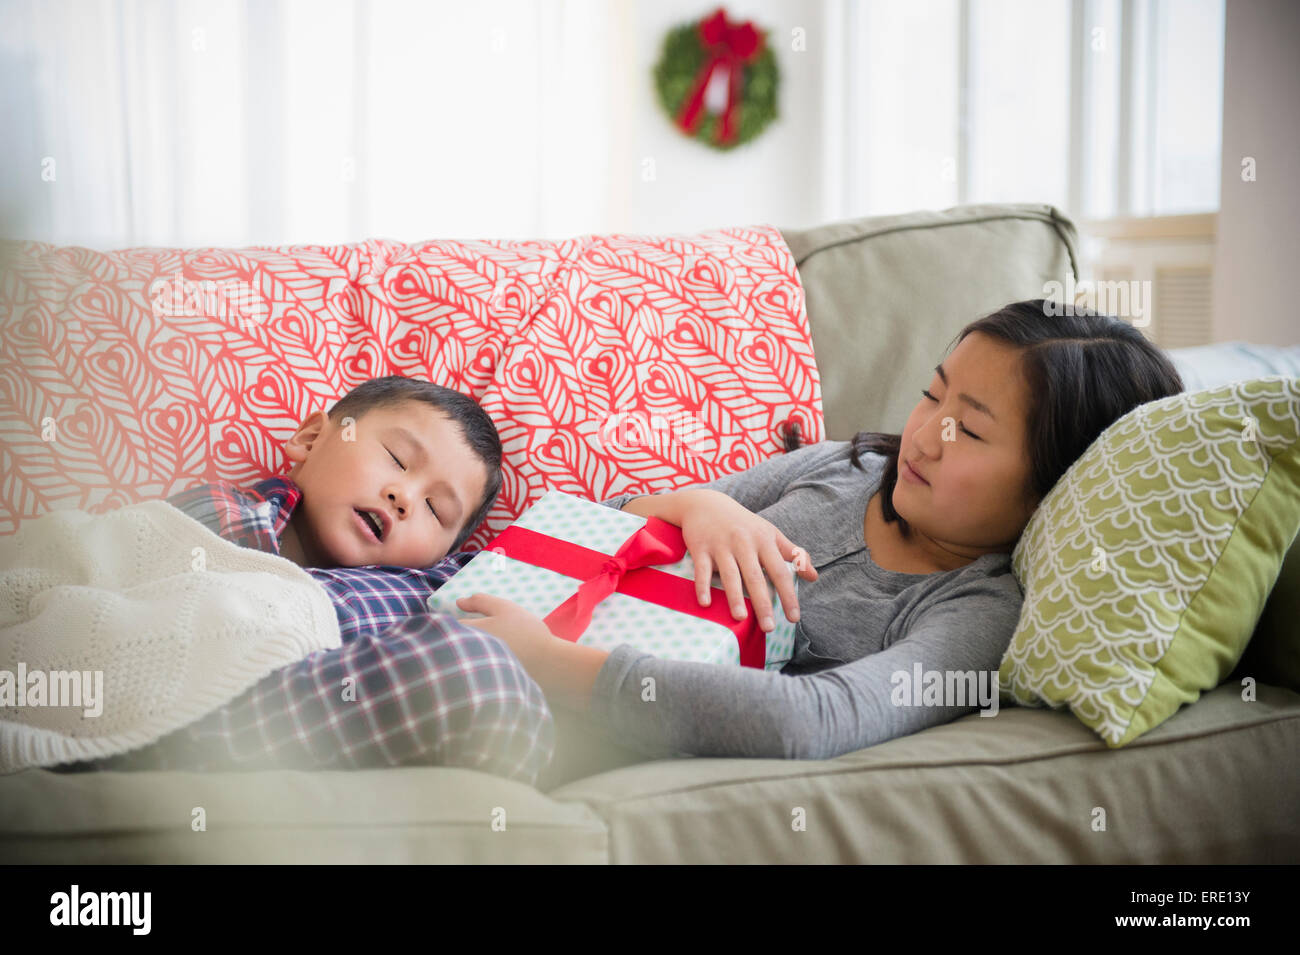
[(730, 45), (629, 571), (651, 544)]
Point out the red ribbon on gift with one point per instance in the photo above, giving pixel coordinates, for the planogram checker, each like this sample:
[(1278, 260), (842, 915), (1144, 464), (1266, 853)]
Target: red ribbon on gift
[(729, 45), (628, 571)]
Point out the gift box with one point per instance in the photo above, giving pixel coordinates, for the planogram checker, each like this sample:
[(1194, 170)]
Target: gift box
[(603, 577)]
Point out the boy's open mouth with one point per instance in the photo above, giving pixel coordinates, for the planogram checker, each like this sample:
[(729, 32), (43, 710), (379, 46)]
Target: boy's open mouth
[(372, 521)]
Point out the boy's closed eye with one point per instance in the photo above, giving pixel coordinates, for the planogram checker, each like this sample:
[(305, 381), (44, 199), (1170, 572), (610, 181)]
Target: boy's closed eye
[(432, 510)]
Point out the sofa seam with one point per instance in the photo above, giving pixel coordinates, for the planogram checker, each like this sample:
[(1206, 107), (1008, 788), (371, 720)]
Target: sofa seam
[(1047, 218), (1057, 221)]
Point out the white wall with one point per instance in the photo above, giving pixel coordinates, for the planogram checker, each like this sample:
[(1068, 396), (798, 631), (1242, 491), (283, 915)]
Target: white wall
[(1258, 241), (222, 123), (240, 122), (775, 178)]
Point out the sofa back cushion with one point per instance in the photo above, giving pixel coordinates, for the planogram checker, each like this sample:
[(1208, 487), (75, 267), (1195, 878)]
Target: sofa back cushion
[(1148, 565), (610, 364), (888, 294)]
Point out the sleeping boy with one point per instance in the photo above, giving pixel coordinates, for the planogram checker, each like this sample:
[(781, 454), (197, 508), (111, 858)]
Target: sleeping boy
[(383, 487)]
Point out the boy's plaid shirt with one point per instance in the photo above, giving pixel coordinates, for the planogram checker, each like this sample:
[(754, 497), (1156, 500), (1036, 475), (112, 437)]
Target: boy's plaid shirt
[(426, 689), (366, 599)]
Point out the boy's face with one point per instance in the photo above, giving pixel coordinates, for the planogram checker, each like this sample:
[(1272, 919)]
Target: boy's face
[(395, 486)]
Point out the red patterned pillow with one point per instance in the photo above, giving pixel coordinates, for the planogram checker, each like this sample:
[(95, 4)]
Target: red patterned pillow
[(610, 363)]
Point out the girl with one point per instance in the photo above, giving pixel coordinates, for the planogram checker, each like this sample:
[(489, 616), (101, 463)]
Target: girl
[(909, 536)]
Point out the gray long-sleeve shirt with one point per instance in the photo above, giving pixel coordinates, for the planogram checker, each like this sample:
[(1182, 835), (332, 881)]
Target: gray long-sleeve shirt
[(859, 625)]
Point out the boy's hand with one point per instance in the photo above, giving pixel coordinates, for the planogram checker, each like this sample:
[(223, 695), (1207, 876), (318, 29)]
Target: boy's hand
[(524, 632)]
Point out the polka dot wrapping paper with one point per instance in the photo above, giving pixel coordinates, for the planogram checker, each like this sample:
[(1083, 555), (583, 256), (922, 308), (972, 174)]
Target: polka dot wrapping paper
[(619, 618)]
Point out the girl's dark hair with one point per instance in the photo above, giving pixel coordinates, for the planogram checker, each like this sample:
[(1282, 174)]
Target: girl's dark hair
[(1084, 371), (475, 426)]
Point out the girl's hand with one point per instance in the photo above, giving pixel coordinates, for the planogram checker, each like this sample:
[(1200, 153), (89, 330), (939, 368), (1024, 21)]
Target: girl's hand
[(525, 633), (723, 535)]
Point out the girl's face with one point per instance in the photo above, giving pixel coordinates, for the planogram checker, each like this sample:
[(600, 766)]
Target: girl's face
[(971, 453)]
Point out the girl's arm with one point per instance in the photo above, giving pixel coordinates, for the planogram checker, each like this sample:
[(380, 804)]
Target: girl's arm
[(667, 707), (756, 487)]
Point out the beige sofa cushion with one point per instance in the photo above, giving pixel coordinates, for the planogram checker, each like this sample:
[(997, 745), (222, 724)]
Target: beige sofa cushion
[(401, 815), (886, 295), (1214, 784)]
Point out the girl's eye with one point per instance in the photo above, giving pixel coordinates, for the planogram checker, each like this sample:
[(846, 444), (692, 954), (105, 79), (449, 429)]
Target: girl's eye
[(926, 392), (394, 457), (431, 510)]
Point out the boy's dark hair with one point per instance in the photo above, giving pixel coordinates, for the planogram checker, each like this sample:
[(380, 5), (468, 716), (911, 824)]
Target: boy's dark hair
[(1084, 370), (475, 426)]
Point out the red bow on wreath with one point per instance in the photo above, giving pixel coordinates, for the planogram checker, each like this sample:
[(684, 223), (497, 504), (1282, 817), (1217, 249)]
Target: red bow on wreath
[(729, 45)]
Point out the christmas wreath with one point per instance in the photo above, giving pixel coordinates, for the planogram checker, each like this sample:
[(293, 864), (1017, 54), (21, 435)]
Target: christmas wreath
[(693, 55)]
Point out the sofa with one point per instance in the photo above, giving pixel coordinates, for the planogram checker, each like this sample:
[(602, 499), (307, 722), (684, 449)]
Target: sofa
[(1216, 783)]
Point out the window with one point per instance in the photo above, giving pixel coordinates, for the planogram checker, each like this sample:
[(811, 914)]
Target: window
[(1104, 108)]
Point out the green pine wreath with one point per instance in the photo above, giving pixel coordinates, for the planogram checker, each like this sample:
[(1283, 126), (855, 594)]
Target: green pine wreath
[(675, 75)]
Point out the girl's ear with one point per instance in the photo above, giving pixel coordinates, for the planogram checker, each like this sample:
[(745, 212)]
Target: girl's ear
[(300, 443)]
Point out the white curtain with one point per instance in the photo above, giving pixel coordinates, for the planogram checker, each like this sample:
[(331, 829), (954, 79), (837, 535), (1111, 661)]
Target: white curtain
[(202, 122), (1101, 107), (237, 122)]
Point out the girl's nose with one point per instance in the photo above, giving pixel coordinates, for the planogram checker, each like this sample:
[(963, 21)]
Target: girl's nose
[(929, 440)]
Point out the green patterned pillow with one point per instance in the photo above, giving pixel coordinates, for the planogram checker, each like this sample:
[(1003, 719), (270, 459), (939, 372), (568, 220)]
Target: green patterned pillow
[(1273, 654), (1147, 565)]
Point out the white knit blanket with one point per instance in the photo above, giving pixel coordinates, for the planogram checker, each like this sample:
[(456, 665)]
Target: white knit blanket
[(118, 628)]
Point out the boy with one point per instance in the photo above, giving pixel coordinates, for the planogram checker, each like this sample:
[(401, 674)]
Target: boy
[(383, 488)]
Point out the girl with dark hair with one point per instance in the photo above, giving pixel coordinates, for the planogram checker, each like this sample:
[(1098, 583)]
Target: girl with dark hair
[(1082, 370), (906, 600)]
